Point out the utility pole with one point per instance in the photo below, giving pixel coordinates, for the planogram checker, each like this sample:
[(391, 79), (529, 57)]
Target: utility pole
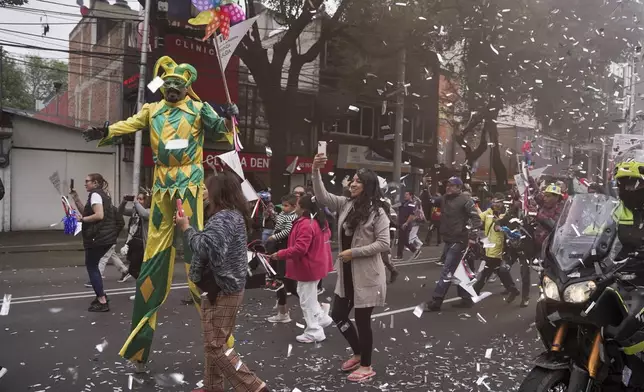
[(1, 79), (631, 102), (400, 115), (138, 136)]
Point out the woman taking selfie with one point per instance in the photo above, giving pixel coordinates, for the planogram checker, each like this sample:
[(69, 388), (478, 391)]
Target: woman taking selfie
[(363, 231), (99, 234), (219, 268)]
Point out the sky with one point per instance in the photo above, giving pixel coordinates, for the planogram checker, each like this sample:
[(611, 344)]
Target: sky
[(33, 14)]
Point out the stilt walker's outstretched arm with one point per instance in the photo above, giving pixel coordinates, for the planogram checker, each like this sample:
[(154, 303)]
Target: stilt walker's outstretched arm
[(135, 123)]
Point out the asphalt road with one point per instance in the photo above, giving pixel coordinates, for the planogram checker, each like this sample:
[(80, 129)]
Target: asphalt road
[(48, 341)]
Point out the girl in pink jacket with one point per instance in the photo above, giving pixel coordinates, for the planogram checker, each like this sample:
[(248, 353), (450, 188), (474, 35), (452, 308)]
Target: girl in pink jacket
[(308, 259)]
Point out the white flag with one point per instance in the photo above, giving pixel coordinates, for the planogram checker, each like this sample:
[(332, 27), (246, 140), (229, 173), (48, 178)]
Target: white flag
[(237, 32), (231, 159)]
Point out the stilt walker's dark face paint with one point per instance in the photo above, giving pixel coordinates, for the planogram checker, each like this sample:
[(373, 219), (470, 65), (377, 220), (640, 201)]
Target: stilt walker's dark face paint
[(174, 89)]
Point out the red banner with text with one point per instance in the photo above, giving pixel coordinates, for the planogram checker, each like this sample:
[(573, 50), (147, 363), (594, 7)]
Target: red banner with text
[(251, 162)]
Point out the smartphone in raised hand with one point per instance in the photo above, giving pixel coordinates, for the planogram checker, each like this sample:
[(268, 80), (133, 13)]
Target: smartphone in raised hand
[(322, 147), (180, 207)]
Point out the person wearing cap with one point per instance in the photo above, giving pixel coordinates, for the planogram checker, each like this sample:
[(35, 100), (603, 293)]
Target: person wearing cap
[(494, 248), (460, 223), (550, 204)]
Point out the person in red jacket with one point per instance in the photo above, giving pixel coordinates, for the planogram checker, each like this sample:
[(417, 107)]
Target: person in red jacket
[(308, 259)]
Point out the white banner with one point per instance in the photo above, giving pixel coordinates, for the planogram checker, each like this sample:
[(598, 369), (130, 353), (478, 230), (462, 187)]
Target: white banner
[(237, 32), (622, 142), (535, 173)]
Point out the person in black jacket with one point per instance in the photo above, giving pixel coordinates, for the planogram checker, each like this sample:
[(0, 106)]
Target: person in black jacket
[(459, 226), (99, 234)]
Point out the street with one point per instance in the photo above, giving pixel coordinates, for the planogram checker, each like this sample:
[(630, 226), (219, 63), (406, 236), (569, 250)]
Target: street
[(51, 343)]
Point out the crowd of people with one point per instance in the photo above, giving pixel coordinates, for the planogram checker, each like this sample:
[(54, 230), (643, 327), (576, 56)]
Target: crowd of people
[(296, 237)]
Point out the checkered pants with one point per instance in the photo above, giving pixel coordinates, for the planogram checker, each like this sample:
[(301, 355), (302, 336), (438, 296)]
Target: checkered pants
[(218, 321)]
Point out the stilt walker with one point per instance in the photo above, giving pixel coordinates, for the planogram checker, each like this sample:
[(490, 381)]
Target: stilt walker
[(177, 126)]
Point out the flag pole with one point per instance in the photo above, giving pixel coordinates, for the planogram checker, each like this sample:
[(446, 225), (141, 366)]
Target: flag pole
[(221, 68)]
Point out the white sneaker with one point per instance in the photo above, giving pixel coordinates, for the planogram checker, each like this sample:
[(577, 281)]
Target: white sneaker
[(326, 321), (304, 338), (280, 318)]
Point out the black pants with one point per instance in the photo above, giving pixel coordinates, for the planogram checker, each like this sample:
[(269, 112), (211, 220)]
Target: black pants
[(360, 340), (92, 258), (290, 286), (135, 255), (523, 258), (403, 240), (493, 265), (434, 226)]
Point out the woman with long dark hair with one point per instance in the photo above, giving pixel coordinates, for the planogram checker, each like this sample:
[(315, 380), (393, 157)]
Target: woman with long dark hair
[(99, 234), (219, 268), (308, 259), (363, 230)]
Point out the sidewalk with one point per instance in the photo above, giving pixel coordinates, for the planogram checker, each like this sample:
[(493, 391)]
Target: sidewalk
[(41, 241)]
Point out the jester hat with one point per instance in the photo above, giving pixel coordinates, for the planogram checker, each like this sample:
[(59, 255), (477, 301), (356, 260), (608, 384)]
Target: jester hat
[(185, 72)]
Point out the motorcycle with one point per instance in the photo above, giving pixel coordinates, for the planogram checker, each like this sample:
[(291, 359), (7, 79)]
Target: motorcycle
[(587, 301)]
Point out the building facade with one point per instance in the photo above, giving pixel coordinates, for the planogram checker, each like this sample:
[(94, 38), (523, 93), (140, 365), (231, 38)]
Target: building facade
[(43, 159)]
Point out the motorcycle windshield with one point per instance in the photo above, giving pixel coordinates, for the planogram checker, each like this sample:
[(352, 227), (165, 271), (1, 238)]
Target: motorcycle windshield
[(580, 231)]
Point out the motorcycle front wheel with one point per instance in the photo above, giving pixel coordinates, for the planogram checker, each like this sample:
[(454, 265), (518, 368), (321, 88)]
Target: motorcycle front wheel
[(545, 380)]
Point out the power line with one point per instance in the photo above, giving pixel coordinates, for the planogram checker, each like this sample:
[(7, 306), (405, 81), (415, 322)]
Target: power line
[(58, 39), (68, 14)]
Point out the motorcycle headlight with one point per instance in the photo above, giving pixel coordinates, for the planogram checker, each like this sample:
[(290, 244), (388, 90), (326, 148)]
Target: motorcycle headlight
[(579, 292), (550, 289)]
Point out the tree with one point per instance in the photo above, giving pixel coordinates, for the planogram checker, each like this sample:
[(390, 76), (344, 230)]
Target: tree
[(529, 55), (13, 86), (4, 3), (267, 67), (41, 75), (362, 61)]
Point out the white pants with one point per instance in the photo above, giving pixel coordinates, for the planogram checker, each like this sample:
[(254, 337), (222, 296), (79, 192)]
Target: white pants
[(116, 260), (413, 236), (313, 313)]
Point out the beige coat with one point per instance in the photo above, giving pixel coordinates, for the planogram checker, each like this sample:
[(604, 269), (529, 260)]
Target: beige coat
[(369, 241)]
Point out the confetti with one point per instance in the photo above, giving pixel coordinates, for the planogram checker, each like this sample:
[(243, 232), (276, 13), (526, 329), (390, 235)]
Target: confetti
[(155, 84), (290, 348), (300, 325), (100, 347), (269, 151), (488, 353), (55, 310), (418, 311), (6, 302), (481, 319)]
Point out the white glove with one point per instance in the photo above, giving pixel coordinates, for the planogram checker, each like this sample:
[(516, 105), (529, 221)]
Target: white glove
[(124, 250)]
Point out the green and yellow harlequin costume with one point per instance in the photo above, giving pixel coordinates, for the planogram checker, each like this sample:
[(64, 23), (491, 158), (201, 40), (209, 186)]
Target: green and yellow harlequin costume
[(178, 174)]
